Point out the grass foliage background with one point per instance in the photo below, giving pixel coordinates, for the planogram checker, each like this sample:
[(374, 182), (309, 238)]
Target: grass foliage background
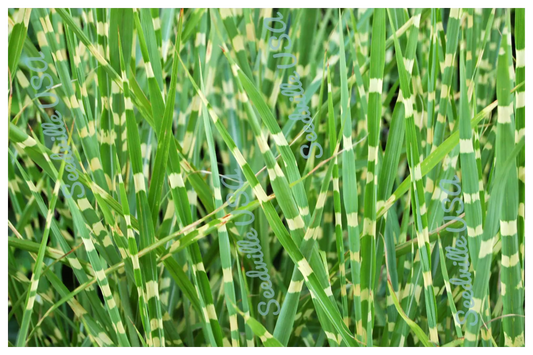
[(165, 109)]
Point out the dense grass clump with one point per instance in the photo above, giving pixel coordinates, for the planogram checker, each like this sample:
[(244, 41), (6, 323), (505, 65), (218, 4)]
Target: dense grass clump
[(266, 177)]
